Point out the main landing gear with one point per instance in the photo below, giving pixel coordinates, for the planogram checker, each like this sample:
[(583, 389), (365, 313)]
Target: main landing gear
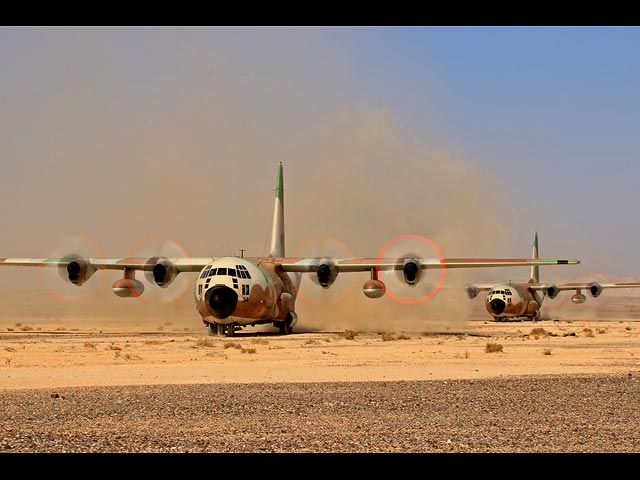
[(222, 330)]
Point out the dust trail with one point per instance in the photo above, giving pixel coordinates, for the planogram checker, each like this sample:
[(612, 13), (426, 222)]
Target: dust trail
[(102, 148)]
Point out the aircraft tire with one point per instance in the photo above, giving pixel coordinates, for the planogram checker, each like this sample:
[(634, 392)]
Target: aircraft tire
[(231, 330), (285, 327)]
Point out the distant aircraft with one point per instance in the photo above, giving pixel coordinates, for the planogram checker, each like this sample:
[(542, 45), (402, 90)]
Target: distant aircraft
[(232, 292), (523, 300)]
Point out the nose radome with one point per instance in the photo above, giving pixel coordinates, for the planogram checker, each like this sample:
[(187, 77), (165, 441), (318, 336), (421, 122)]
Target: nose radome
[(497, 306), (221, 300)]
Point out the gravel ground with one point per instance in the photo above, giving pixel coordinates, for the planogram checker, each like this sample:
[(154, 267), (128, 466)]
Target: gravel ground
[(569, 414)]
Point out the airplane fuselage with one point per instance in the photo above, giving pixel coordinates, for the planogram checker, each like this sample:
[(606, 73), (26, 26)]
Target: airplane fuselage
[(510, 300), (242, 291)]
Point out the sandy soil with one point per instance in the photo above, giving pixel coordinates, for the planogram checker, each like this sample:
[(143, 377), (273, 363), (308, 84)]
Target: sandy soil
[(40, 353)]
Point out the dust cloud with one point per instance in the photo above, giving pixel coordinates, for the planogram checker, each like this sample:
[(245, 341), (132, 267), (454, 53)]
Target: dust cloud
[(191, 157)]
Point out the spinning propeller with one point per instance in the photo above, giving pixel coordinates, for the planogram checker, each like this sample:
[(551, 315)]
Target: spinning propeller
[(411, 284), (79, 279), (161, 282), (323, 251)]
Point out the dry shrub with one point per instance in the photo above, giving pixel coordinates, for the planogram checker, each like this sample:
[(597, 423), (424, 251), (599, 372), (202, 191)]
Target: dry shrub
[(232, 345), (260, 341), (546, 351), (247, 350), (26, 328), (205, 342), (90, 345), (311, 341), (539, 331), (492, 347), (113, 347), (627, 327), (386, 337), (349, 334), (588, 332), (404, 337)]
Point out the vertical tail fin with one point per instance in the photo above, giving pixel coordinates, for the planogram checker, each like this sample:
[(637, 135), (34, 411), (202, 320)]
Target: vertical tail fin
[(535, 270), (277, 228)]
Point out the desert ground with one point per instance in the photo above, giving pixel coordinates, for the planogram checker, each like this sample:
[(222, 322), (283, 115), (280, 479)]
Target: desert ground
[(562, 384)]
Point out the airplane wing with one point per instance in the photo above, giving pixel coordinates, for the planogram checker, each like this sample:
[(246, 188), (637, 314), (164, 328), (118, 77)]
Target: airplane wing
[(584, 286), (196, 264), (385, 264), (182, 264)]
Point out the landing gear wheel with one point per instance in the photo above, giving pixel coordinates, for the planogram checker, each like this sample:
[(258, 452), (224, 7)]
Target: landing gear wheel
[(231, 330), (285, 327), (220, 329)]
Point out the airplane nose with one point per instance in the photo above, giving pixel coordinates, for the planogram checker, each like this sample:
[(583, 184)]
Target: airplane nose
[(497, 306), (222, 301)]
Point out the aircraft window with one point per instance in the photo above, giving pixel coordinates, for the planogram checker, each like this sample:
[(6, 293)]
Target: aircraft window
[(231, 272), (248, 275), (212, 272), (508, 292), (222, 271), (501, 291)]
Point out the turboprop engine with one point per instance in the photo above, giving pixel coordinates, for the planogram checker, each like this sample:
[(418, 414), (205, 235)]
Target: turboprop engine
[(326, 272), (472, 291), (595, 289), (161, 271), (411, 271), (552, 291), (78, 270)]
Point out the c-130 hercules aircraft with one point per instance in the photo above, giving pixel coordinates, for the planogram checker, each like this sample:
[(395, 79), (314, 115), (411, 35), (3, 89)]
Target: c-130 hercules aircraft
[(232, 292), (523, 300)]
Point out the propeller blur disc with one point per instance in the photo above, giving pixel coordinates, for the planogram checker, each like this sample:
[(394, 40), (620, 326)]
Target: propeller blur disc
[(55, 280), (149, 248), (309, 289), (411, 246)]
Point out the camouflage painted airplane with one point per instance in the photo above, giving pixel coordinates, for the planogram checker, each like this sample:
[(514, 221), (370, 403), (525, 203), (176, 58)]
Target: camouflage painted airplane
[(524, 300), (233, 292)]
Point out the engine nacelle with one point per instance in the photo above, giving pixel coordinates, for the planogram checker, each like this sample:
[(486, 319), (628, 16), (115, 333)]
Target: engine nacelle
[(552, 291), (161, 271), (472, 291), (578, 298), (595, 289), (128, 287), (411, 271), (374, 288), (326, 272), (78, 270)]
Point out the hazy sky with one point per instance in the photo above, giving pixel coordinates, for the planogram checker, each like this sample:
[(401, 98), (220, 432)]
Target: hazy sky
[(474, 137)]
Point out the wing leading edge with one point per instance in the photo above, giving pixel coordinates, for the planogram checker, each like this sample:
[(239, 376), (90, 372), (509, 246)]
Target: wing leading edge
[(366, 264), (196, 264)]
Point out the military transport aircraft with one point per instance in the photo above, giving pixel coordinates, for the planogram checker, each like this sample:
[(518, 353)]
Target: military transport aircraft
[(522, 301), (232, 292)]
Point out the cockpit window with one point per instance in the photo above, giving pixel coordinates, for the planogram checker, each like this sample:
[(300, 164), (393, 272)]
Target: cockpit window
[(212, 272), (242, 271), (231, 272), (508, 292), (222, 271)]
